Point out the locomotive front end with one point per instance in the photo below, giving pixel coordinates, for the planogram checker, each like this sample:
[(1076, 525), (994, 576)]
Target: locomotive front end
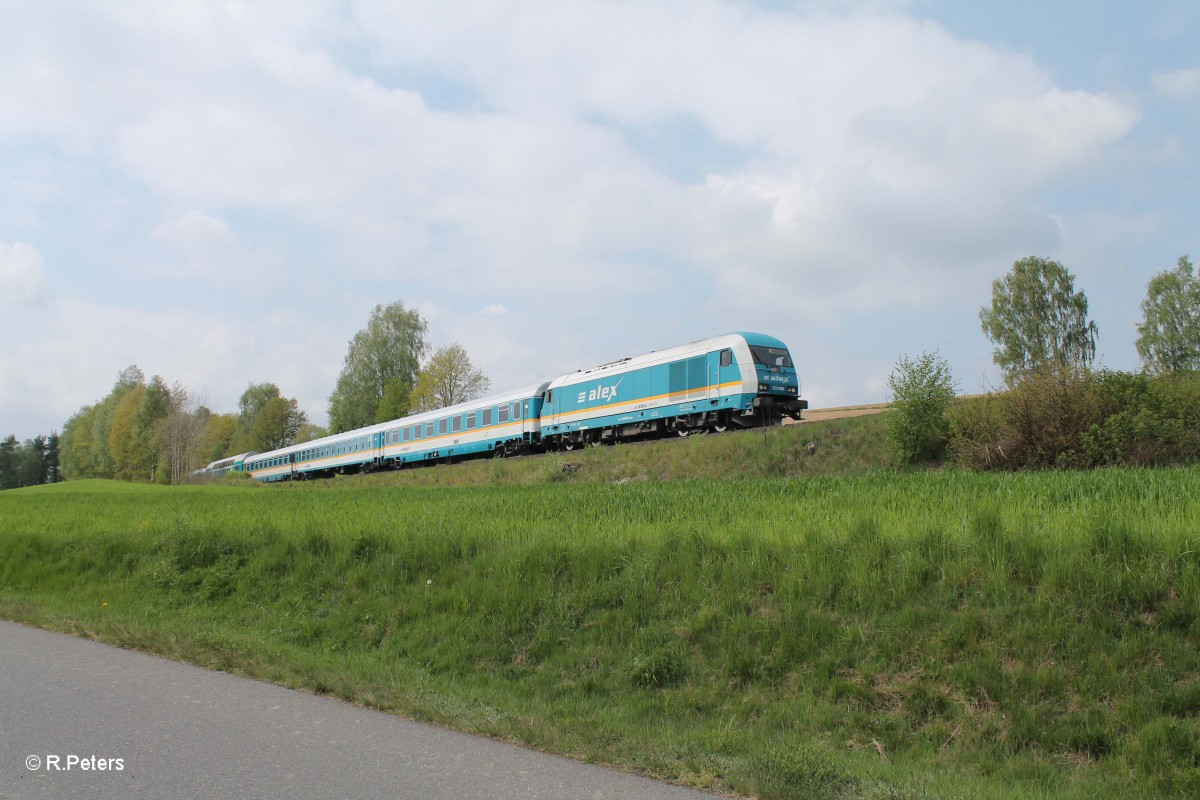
[(778, 384)]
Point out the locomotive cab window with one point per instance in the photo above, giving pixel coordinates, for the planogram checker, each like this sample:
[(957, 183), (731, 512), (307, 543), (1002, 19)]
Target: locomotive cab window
[(726, 358), (771, 356)]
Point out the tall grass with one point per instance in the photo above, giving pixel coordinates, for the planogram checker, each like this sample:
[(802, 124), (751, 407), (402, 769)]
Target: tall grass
[(883, 635)]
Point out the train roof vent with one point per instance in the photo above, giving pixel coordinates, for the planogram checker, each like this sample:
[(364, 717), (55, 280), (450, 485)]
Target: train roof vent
[(608, 364)]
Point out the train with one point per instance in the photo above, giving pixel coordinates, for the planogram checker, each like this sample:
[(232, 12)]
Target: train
[(734, 380)]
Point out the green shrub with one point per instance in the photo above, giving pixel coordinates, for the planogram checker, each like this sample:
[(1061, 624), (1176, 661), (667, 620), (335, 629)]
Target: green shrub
[(1058, 417), (1145, 421), (922, 391), (1047, 412)]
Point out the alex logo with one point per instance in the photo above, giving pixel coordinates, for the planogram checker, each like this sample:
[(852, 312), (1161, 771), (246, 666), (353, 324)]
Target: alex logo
[(599, 392)]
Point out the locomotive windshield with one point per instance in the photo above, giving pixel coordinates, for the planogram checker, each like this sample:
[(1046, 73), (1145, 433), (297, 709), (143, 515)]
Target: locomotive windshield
[(771, 356)]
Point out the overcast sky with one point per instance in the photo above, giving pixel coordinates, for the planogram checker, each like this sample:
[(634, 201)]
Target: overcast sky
[(220, 192)]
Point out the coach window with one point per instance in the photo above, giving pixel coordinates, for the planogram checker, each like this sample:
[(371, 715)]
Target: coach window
[(516, 410), (696, 377), (457, 423), (502, 414), (441, 426), (487, 417), (726, 358), (471, 421)]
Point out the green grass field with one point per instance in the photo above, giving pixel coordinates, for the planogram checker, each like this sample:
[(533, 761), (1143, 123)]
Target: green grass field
[(883, 635)]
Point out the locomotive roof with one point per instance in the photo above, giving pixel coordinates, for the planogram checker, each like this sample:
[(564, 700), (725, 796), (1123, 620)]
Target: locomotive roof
[(670, 354)]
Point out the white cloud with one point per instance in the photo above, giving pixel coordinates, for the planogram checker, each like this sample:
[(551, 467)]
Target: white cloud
[(1180, 84), (877, 161), (194, 230), (22, 279), (865, 132), (213, 254), (215, 354)]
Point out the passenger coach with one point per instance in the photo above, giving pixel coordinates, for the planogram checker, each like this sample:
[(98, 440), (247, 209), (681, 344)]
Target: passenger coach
[(218, 468), (504, 424)]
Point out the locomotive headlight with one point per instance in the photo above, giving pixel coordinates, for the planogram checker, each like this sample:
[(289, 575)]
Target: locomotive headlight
[(762, 387), (791, 390)]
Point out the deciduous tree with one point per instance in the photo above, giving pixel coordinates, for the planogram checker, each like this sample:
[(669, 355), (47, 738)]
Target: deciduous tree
[(396, 402), (448, 378), (389, 349), (1037, 318), (277, 424), (1169, 334), (308, 432), (120, 431), (217, 439)]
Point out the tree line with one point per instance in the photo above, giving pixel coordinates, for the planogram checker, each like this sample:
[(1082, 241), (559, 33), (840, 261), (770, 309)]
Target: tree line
[(31, 463), (1055, 409), (147, 430)]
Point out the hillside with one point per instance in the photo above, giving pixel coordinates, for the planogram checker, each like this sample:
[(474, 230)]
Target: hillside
[(846, 632)]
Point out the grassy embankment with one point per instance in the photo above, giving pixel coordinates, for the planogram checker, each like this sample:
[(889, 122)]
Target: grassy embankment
[(841, 447), (919, 635)]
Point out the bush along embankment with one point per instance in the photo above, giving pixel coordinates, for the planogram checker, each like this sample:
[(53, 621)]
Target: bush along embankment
[(892, 635), (1074, 418)]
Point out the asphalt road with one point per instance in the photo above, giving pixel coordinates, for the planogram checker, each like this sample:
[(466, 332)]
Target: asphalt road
[(178, 731)]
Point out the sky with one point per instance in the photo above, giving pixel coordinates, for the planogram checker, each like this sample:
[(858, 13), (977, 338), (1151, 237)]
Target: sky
[(220, 192)]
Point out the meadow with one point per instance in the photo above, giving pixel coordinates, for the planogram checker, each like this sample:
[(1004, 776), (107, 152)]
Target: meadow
[(934, 634)]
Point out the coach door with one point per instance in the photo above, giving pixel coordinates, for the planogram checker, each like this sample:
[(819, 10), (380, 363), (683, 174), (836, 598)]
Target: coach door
[(714, 373)]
